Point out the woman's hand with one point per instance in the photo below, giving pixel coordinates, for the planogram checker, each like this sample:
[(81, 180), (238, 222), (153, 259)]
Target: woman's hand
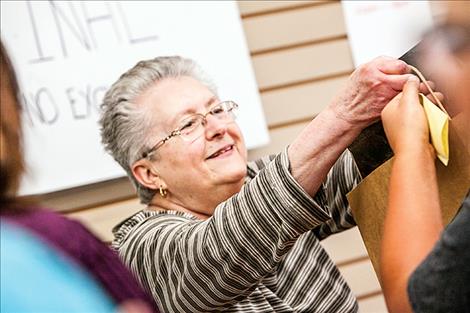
[(370, 87), (360, 103), (404, 120)]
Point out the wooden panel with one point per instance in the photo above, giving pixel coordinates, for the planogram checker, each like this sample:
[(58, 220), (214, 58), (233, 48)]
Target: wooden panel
[(258, 7), (280, 138), (373, 305), (89, 195), (345, 246), (101, 220), (294, 65), (361, 278), (299, 102), (294, 27)]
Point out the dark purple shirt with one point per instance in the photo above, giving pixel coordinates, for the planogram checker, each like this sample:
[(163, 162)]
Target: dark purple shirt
[(75, 241)]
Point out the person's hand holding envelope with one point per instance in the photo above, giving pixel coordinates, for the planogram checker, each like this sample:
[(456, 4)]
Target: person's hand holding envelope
[(437, 121), (445, 137)]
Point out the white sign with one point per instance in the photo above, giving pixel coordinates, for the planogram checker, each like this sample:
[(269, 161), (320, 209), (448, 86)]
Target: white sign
[(67, 53), (390, 28)]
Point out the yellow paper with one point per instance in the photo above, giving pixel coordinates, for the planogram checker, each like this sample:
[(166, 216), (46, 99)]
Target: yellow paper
[(438, 123)]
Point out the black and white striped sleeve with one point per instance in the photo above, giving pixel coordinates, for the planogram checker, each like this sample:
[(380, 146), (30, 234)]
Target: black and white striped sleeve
[(341, 179)]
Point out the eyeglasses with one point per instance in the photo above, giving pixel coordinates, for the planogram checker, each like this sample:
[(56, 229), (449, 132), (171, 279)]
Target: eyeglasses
[(193, 126)]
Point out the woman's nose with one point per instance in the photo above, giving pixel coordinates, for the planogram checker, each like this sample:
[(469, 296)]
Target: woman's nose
[(214, 127)]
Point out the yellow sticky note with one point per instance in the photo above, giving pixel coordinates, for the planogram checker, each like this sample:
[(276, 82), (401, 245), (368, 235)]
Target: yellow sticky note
[(438, 122)]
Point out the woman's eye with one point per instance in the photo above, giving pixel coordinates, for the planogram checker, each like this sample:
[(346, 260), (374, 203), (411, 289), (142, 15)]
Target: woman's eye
[(218, 110), (188, 124)]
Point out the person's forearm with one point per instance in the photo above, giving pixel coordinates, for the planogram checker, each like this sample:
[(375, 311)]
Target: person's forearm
[(413, 222), (316, 149)]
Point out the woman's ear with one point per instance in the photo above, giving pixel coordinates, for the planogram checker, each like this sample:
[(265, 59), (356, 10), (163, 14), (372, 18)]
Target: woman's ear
[(146, 174)]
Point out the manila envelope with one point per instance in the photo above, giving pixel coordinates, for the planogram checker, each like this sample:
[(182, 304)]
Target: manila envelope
[(369, 199)]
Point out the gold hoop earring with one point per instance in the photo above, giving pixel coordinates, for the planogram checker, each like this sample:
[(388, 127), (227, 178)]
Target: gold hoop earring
[(163, 192)]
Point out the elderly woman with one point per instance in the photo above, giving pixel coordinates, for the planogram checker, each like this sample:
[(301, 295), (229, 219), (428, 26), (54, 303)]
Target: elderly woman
[(219, 234), (431, 272)]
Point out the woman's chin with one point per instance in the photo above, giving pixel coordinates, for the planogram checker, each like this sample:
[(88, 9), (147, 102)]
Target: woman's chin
[(232, 173)]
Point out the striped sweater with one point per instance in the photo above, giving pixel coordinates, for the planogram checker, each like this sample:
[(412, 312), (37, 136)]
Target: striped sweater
[(259, 252)]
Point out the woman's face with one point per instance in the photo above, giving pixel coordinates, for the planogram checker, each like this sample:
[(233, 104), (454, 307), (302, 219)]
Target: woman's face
[(205, 166), (452, 76), (451, 69)]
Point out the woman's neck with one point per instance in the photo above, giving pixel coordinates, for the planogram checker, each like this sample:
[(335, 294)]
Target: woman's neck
[(169, 204), (159, 207)]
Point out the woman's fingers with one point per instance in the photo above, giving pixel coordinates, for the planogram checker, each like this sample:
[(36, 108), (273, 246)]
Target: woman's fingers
[(438, 95), (388, 65), (410, 91), (396, 82), (424, 89)]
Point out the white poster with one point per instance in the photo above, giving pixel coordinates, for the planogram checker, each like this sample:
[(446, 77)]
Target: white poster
[(67, 53), (390, 28)]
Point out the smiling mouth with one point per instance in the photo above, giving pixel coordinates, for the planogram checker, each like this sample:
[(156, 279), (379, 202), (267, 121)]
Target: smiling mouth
[(221, 151)]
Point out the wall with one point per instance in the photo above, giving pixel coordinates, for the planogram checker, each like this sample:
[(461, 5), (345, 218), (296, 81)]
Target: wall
[(301, 58)]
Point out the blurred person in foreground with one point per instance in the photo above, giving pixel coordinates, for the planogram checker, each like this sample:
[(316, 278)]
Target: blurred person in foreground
[(221, 234), (424, 267), (48, 262)]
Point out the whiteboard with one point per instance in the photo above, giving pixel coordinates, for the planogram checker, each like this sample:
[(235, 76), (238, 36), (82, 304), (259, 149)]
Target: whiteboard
[(389, 28), (67, 53)]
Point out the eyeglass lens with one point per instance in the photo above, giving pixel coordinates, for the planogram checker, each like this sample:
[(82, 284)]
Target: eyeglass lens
[(193, 127)]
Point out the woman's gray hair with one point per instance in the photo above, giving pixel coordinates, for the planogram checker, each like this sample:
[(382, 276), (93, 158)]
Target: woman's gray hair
[(126, 128)]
